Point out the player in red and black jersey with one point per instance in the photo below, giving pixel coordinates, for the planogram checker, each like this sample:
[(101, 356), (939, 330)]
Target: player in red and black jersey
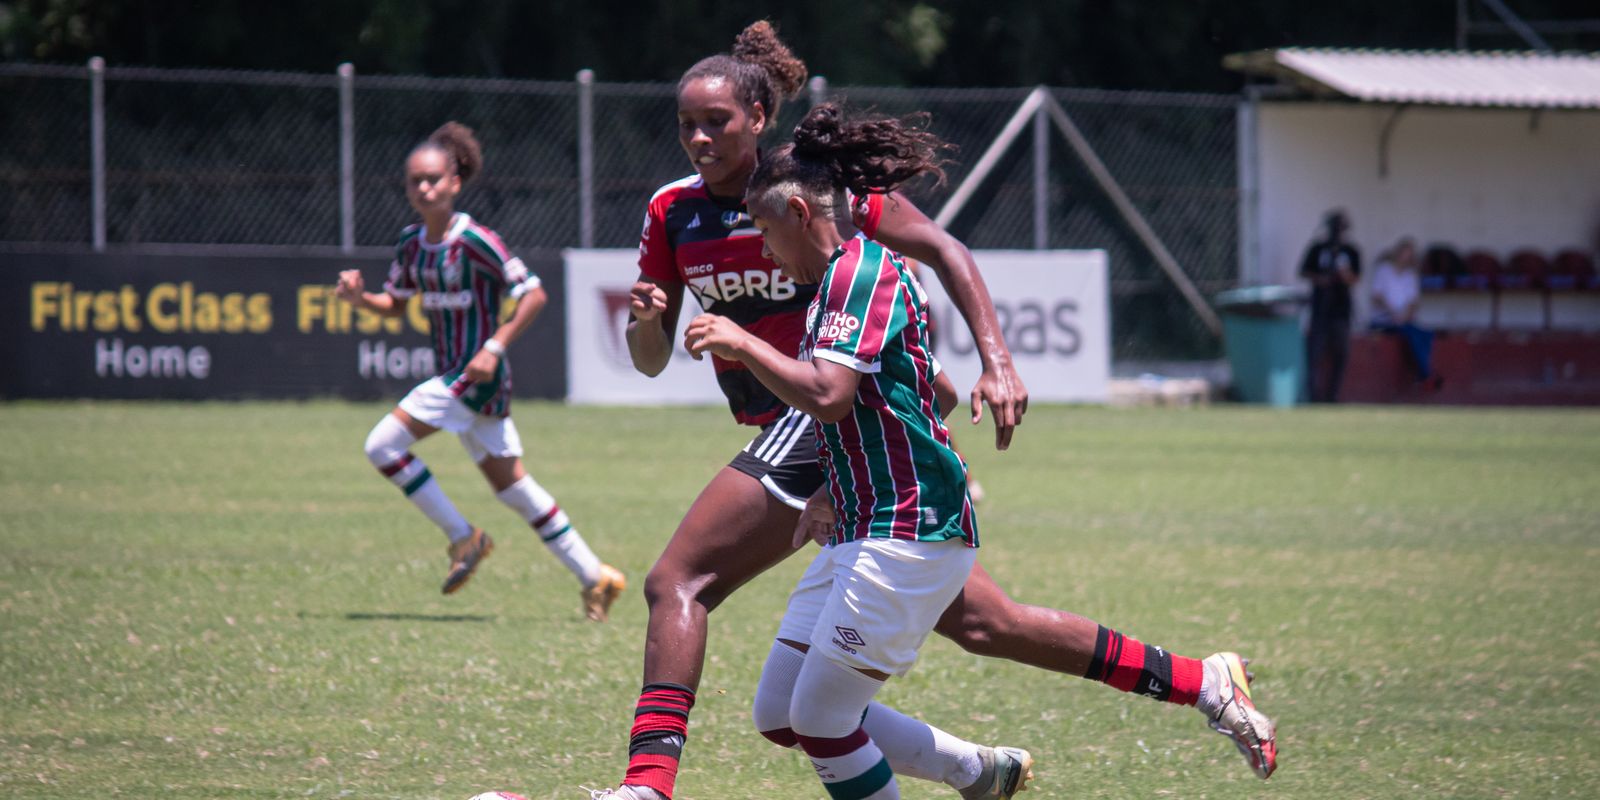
[(744, 520)]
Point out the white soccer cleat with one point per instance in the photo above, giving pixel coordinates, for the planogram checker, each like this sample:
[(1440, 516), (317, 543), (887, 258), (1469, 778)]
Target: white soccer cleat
[(626, 793), (1237, 718), (1006, 771)]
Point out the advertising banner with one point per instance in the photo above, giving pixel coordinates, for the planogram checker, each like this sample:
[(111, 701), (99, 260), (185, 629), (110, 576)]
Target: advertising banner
[(204, 327), (1052, 306), (599, 369)]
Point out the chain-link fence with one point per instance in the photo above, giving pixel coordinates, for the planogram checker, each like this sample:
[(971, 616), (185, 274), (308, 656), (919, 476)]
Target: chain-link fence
[(231, 160)]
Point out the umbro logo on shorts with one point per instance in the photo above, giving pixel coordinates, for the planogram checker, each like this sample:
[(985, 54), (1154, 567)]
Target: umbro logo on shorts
[(850, 636)]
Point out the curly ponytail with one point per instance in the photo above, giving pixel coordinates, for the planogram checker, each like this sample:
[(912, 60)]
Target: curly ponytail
[(762, 68), (458, 143), (831, 154)]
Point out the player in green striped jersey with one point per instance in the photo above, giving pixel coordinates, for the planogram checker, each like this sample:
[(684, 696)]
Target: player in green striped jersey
[(459, 270), (902, 536)]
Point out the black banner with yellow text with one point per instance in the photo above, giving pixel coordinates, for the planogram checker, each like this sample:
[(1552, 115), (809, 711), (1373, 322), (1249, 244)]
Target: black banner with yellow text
[(208, 327)]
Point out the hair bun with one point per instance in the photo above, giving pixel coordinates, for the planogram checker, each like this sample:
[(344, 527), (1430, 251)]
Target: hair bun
[(759, 44), (819, 133)]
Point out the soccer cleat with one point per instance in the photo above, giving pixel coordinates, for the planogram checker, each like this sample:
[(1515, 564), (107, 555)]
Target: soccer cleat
[(626, 793), (465, 556), (597, 599), (1237, 718), (1006, 771)]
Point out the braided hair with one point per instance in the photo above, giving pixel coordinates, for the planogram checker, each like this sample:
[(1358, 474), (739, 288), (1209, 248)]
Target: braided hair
[(831, 154)]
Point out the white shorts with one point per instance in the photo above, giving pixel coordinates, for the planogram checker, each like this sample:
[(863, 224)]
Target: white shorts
[(431, 403), (871, 603)]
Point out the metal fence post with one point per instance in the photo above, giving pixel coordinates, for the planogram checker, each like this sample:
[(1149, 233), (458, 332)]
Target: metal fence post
[(1249, 166), (1041, 178), (586, 157), (817, 90), (347, 157), (97, 152)]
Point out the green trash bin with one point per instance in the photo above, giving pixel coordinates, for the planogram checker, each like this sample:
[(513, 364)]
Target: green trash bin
[(1261, 335)]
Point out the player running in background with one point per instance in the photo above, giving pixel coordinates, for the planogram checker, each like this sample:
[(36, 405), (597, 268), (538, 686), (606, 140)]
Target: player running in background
[(698, 237), (461, 269)]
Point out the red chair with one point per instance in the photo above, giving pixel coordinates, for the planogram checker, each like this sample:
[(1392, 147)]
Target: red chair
[(1572, 269), (1440, 265), (1482, 267), (1525, 269)]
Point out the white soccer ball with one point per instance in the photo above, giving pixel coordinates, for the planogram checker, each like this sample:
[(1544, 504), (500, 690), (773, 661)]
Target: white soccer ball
[(497, 796)]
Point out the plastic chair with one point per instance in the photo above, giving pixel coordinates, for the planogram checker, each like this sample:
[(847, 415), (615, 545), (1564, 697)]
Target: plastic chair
[(1440, 264)]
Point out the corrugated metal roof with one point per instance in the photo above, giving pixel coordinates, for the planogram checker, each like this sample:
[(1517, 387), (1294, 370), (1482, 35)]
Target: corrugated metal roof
[(1504, 79)]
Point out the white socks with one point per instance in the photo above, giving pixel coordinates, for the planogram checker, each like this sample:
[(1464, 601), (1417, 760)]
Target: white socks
[(913, 747), (539, 509), (825, 714), (919, 750), (386, 449)]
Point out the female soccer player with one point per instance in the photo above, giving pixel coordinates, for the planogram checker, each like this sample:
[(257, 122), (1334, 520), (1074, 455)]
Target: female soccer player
[(698, 236), (904, 536), (460, 268)]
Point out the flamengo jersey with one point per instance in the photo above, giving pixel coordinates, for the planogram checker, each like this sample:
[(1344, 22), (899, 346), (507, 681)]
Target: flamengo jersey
[(710, 246), (891, 470), (460, 281)]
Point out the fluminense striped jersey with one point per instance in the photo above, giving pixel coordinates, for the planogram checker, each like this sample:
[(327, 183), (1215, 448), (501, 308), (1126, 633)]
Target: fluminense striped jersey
[(707, 244), (891, 470), (459, 282)]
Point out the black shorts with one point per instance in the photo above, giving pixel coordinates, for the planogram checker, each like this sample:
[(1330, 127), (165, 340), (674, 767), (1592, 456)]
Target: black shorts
[(783, 456)]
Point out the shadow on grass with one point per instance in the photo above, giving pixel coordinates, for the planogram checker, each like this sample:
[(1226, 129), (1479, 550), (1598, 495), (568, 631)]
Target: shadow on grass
[(363, 616)]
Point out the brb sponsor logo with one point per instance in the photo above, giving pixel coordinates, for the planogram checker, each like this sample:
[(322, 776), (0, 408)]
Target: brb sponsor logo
[(711, 287), (837, 326)]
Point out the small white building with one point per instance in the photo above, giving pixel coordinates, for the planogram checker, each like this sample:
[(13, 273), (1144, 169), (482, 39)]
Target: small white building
[(1493, 151)]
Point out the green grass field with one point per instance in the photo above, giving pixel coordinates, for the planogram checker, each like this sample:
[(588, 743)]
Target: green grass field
[(224, 600)]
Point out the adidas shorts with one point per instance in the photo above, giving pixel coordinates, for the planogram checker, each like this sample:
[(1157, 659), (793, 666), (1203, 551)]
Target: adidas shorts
[(871, 603), (783, 456), (431, 403)]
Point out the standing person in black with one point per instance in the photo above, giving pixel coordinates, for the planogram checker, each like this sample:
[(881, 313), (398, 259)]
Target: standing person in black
[(1332, 265)]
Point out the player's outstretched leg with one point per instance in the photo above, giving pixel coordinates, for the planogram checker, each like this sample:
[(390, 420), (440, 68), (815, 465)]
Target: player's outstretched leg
[(985, 621)]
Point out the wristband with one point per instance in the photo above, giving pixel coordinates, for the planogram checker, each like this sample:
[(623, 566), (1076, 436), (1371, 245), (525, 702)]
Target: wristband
[(494, 346)]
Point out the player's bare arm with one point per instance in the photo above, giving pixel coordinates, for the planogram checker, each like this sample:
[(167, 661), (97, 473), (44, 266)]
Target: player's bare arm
[(944, 393), (352, 289), (906, 229), (823, 389), (654, 313)]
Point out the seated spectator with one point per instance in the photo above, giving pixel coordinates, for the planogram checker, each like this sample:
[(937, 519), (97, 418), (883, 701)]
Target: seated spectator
[(1396, 291)]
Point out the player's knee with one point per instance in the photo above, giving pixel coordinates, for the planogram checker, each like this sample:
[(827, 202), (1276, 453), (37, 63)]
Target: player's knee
[(387, 442), (676, 584), (975, 633), (775, 692), (770, 713)]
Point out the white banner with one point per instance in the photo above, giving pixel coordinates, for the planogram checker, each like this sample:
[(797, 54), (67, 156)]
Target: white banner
[(599, 369), (1052, 306), (1055, 315)]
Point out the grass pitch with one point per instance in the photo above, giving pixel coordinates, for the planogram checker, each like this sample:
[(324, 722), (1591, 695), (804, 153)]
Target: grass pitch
[(224, 600)]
